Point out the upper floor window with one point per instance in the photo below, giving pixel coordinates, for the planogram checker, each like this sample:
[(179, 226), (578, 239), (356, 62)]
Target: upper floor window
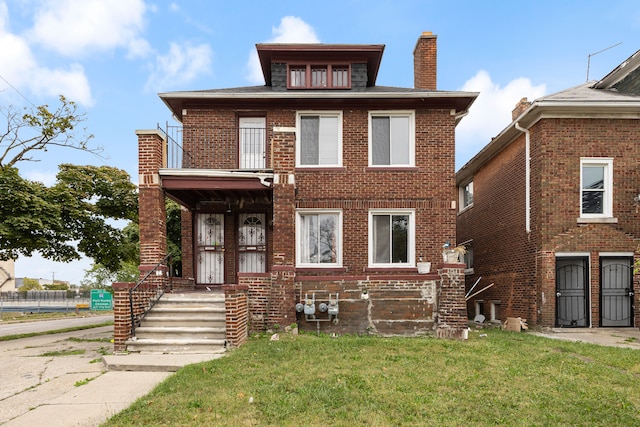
[(466, 195), (596, 187), (298, 76), (319, 76), (391, 138), (318, 238), (391, 238), (319, 139)]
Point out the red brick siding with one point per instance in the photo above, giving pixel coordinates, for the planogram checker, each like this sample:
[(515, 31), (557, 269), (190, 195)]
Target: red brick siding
[(187, 242), (570, 139), (424, 62), (503, 253), (237, 314), (429, 188), (523, 267)]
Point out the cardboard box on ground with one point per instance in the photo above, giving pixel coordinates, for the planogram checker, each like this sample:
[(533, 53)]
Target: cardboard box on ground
[(515, 324)]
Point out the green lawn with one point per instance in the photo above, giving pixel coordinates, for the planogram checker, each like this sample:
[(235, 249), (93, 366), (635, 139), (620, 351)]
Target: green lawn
[(513, 379)]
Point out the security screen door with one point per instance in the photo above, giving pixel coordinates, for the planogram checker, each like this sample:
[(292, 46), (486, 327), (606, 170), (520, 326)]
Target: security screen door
[(210, 249), (616, 291), (252, 245), (572, 277)]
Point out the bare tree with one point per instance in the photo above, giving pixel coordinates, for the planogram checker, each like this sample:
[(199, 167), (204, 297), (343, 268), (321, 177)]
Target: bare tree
[(39, 128)]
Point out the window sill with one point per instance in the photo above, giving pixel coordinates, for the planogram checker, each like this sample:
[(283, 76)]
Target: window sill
[(404, 269), (609, 220), (466, 208), (308, 168), (468, 271), (394, 168), (334, 268)]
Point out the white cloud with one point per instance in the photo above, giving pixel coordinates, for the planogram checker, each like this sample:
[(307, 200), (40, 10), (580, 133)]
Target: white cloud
[(291, 30), (21, 70), (71, 83), (491, 112), (78, 27), (181, 65), (294, 30)]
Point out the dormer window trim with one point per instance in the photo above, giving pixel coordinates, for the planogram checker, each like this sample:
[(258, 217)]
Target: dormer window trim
[(318, 75)]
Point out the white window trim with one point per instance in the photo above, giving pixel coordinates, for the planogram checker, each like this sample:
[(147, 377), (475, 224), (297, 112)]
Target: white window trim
[(299, 262), (411, 257), (607, 162), (412, 135), (319, 113), (461, 196)]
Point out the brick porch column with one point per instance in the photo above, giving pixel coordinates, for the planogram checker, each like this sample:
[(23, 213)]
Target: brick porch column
[(452, 319), (151, 210), (281, 295)]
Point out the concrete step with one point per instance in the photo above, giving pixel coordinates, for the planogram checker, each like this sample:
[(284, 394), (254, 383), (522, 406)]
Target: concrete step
[(161, 310), (156, 362), (205, 321), (174, 332), (178, 346), (192, 296)]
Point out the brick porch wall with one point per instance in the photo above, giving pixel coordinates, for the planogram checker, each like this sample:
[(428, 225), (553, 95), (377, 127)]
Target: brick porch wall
[(237, 314), (382, 305), (122, 310)]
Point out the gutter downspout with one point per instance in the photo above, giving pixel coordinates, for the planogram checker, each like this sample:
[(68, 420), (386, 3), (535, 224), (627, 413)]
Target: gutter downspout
[(527, 162)]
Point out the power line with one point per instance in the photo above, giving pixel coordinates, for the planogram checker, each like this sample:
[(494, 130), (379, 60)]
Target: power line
[(17, 91)]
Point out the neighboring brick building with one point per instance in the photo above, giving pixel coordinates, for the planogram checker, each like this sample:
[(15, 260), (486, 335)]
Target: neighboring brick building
[(319, 183), (557, 234)]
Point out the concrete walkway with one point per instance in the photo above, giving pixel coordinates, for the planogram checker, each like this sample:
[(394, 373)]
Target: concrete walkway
[(58, 380), (615, 337)]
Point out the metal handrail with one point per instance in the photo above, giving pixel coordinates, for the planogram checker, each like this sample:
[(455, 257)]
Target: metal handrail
[(183, 143), (152, 301)]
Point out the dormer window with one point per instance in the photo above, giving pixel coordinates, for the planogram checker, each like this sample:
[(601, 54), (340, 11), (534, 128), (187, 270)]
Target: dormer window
[(319, 76)]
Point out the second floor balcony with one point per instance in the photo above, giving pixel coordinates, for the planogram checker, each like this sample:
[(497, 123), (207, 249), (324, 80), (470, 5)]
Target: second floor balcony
[(242, 148)]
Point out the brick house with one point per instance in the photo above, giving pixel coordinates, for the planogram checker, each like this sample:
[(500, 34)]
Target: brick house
[(312, 199), (549, 208)]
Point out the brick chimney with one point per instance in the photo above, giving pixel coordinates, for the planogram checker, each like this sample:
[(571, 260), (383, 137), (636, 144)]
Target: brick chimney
[(424, 62), (521, 106)]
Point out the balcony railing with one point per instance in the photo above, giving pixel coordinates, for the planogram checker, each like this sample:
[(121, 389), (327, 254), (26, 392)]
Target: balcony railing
[(215, 148)]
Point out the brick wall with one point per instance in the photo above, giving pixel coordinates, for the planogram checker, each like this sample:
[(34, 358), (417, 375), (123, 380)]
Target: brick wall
[(424, 62), (523, 266), (503, 252), (186, 221), (380, 305), (237, 314), (152, 210), (122, 310), (428, 188), (452, 310)]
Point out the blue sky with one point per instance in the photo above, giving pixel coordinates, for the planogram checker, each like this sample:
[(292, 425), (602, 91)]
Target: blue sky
[(112, 57)]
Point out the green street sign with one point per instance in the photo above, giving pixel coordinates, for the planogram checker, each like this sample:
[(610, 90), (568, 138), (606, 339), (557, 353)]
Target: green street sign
[(101, 300)]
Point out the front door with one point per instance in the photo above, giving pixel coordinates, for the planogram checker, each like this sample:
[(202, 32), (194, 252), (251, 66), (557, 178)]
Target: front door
[(572, 308), (252, 243), (616, 291), (252, 143), (210, 249)]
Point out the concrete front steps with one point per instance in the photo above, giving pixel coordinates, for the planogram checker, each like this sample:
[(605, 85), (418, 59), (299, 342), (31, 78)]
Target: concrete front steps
[(183, 323)]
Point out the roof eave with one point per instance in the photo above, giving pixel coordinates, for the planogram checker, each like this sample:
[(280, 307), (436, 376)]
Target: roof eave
[(175, 100), (623, 109)]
